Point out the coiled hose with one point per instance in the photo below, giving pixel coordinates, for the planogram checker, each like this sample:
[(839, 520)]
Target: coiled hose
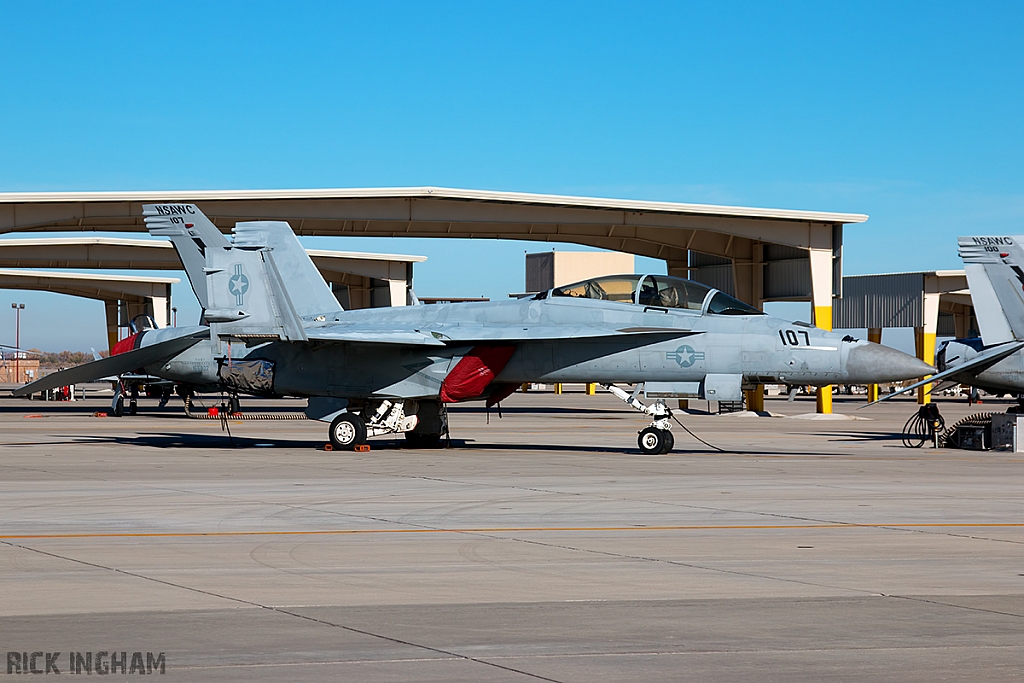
[(922, 426)]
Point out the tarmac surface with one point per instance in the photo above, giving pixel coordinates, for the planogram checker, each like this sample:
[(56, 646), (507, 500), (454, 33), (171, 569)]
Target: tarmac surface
[(541, 546)]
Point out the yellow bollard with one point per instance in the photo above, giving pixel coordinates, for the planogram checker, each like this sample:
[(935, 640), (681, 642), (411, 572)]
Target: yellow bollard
[(755, 399), (525, 387), (823, 321), (558, 387), (591, 388), (874, 335), (925, 346)]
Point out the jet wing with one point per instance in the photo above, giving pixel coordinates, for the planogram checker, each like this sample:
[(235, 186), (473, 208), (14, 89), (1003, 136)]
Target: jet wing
[(446, 335), (977, 364), (114, 365)]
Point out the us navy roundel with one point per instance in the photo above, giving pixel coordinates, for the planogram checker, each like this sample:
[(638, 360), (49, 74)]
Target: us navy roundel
[(238, 285), (685, 356)]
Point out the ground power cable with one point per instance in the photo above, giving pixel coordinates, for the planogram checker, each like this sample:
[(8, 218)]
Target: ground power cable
[(709, 445)]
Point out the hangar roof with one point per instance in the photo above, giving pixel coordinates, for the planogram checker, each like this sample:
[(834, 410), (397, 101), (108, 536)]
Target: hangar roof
[(89, 285), (671, 231), (123, 253), (28, 252), (427, 192)]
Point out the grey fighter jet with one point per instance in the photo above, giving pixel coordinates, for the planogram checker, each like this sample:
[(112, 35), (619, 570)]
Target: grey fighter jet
[(275, 328), (994, 361)]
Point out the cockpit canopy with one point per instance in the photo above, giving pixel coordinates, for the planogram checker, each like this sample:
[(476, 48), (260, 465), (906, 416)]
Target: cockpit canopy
[(660, 291), (141, 323)]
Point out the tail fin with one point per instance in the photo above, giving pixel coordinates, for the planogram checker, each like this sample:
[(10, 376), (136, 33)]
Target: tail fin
[(247, 296), (265, 285), (192, 235), (308, 291), (995, 273)]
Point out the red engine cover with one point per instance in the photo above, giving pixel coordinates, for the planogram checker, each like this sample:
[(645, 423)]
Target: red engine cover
[(127, 344), (471, 375)]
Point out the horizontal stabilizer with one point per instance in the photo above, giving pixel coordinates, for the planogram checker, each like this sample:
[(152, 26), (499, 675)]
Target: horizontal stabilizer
[(978, 364), (373, 335), (114, 365)]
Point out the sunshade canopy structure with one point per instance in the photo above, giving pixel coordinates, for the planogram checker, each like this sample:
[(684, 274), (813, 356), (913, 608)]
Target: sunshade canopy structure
[(754, 254)]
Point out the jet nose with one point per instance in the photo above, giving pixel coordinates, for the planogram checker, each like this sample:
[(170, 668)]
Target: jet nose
[(868, 362)]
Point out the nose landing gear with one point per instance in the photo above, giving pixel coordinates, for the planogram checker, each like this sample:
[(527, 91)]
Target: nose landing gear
[(656, 438)]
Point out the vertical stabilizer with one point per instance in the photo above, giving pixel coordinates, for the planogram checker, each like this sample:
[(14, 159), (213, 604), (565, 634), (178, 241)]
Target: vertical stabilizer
[(995, 274), (192, 235), (307, 289), (247, 297)]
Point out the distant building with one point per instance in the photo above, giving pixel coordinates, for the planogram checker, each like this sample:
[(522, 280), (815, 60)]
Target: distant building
[(20, 370), (556, 268)]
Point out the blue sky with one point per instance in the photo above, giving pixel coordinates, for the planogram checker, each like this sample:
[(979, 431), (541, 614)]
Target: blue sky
[(909, 112)]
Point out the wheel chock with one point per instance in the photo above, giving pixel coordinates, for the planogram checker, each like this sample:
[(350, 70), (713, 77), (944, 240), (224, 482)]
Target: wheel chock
[(100, 415), (362, 448), (328, 447)]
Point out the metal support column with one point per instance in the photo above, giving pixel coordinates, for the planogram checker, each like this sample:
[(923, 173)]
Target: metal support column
[(821, 300)]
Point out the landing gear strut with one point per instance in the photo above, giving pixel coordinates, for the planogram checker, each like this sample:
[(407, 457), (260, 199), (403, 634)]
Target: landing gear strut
[(117, 403), (349, 429), (656, 438)]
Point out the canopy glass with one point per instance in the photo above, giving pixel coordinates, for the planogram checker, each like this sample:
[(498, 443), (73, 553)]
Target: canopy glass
[(661, 291)]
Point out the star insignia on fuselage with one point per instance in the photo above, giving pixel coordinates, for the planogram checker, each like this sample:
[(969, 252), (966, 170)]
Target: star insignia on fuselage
[(685, 356)]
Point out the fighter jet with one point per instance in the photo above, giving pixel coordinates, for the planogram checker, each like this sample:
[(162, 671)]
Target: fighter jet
[(993, 361), (274, 328)]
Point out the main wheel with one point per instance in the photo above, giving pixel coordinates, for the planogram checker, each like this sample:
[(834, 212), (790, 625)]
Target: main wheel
[(119, 407), (651, 441), (133, 408), (670, 442), (347, 431), (234, 405)]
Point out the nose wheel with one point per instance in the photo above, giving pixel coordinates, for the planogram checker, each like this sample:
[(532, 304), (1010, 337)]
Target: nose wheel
[(654, 441), (656, 438)]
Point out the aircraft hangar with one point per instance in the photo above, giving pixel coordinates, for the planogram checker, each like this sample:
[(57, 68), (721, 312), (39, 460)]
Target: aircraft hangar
[(934, 303), (756, 254)]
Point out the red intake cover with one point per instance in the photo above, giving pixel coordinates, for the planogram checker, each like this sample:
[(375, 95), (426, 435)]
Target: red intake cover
[(127, 344), (471, 375)]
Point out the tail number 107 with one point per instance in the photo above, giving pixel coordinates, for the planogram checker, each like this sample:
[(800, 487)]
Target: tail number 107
[(790, 338)]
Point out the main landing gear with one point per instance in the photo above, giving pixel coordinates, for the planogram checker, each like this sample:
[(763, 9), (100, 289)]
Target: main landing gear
[(656, 438), (424, 423), (347, 431)]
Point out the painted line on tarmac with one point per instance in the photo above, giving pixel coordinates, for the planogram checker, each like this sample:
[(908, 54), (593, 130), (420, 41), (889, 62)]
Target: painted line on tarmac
[(680, 527)]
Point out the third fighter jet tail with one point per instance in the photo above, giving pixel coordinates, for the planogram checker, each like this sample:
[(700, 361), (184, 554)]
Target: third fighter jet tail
[(995, 274)]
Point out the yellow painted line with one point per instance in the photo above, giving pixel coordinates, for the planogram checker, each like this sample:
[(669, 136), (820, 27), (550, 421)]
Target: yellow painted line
[(470, 530)]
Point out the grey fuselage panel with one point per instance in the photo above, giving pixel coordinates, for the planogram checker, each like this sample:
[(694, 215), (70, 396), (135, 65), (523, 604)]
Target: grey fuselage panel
[(603, 341)]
